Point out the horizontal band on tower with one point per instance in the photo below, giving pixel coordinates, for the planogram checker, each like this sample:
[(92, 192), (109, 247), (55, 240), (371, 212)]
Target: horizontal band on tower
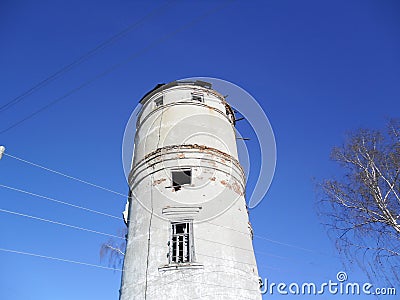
[(180, 148), (187, 156), (139, 122)]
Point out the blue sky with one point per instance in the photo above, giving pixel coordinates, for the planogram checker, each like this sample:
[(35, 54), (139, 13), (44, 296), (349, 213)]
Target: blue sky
[(318, 69)]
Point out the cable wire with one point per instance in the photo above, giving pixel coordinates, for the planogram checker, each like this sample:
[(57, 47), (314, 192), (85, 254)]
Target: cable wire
[(116, 66), (83, 58), (58, 259), (126, 196), (59, 201), (58, 223), (130, 197), (109, 268), (64, 175), (264, 238)]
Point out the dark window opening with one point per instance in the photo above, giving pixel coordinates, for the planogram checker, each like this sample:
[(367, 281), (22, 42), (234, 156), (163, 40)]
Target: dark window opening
[(159, 101), (197, 97), (181, 177)]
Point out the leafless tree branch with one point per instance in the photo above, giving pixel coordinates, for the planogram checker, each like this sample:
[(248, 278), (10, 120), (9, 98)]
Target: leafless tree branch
[(362, 209), (114, 249)]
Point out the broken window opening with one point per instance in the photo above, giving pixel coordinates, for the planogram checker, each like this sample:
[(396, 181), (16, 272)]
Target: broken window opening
[(181, 177), (197, 97), (181, 246), (159, 102)]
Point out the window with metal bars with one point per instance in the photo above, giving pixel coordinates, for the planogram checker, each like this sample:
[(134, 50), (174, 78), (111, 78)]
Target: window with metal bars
[(181, 244)]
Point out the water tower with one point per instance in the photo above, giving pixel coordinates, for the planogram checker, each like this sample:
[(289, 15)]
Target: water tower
[(189, 234)]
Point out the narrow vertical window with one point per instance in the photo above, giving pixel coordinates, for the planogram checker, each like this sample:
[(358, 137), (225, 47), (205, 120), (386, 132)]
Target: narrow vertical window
[(181, 248), (158, 102)]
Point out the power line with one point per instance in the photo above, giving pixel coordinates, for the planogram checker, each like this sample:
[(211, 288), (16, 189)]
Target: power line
[(244, 249), (285, 244), (58, 259), (82, 58), (64, 175), (58, 223), (157, 245), (276, 242), (120, 194), (59, 201), (264, 238), (116, 66), (109, 268), (101, 267)]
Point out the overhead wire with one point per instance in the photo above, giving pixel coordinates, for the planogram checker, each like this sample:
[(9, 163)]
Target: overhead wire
[(58, 259), (65, 260), (103, 267), (126, 196), (119, 218), (64, 175), (121, 63), (144, 235), (82, 181), (108, 268), (84, 57), (106, 234), (58, 223), (59, 201), (264, 238)]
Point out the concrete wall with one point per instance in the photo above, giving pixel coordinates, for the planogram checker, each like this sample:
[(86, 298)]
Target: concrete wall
[(187, 134)]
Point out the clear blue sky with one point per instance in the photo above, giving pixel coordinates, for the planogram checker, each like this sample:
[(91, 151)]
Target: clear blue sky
[(318, 68)]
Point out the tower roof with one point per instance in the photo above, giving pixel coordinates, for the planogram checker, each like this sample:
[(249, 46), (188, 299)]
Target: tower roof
[(163, 86)]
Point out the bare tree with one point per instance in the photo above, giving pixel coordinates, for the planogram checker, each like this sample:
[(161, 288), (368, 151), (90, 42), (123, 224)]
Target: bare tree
[(114, 249), (362, 209)]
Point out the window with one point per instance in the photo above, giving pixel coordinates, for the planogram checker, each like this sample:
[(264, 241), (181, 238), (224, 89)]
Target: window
[(198, 97), (181, 244), (181, 177), (158, 102)]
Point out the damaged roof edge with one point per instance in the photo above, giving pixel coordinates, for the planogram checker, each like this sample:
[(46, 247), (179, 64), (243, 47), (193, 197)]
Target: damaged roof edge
[(163, 86)]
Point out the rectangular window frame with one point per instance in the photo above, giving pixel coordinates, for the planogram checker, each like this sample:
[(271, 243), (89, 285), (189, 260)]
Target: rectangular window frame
[(181, 246), (158, 102)]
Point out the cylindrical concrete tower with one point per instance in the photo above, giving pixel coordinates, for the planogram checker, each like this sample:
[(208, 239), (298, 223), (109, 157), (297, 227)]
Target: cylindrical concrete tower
[(189, 234)]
